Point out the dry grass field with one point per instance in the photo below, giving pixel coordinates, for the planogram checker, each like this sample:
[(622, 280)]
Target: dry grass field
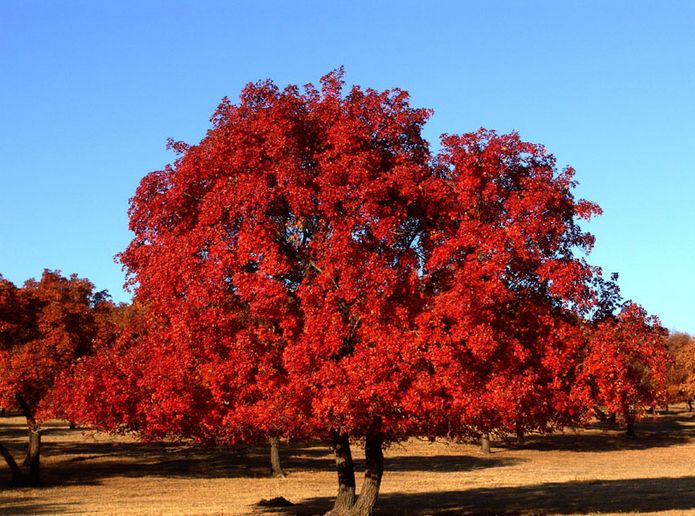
[(594, 470)]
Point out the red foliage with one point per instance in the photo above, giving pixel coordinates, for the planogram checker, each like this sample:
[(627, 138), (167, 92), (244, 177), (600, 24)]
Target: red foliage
[(626, 363), (102, 390), (44, 327), (310, 265), (681, 371), (505, 290)]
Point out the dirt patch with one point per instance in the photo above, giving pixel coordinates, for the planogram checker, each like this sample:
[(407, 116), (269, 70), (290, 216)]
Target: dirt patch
[(594, 470)]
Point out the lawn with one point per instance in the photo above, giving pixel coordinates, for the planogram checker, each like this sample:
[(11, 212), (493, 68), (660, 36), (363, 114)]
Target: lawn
[(594, 470)]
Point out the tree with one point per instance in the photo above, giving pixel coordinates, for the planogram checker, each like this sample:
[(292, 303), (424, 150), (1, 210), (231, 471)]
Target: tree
[(102, 390), (44, 327), (626, 363), (681, 371), (506, 288), (312, 270)]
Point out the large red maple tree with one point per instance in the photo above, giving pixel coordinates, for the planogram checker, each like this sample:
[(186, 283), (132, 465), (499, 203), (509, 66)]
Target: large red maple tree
[(312, 269)]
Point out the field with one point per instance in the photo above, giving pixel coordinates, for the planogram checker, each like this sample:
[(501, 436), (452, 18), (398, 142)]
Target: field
[(595, 470)]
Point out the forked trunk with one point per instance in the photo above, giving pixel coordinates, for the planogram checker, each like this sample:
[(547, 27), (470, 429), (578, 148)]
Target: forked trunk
[(346, 473), (17, 475), (485, 444), (373, 471), (33, 458), (275, 458)]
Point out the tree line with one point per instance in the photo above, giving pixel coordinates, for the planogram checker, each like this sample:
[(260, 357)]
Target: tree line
[(313, 269)]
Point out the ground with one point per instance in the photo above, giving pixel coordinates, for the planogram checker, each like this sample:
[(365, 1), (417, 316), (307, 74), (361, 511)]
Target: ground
[(595, 470)]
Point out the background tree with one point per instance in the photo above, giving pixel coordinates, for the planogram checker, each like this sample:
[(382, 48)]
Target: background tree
[(681, 371), (506, 289), (44, 327), (102, 390), (626, 363)]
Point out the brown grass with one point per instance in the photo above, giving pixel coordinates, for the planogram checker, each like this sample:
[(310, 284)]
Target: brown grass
[(595, 470)]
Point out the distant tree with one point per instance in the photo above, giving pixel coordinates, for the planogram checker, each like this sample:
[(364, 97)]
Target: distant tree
[(626, 363), (681, 373), (102, 390), (45, 326), (113, 390)]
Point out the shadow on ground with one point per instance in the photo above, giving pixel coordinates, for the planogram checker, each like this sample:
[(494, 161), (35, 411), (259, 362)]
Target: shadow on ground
[(668, 429), (33, 505), (81, 461), (631, 495), (84, 461)]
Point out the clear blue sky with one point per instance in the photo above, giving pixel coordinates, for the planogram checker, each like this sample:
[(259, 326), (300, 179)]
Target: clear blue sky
[(89, 92)]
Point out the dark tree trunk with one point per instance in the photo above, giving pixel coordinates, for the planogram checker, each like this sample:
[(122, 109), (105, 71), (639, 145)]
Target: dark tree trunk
[(690, 405), (373, 471), (629, 422), (485, 444), (73, 425), (2, 412), (346, 473), (275, 458), (27, 456), (33, 458), (17, 475), (630, 427)]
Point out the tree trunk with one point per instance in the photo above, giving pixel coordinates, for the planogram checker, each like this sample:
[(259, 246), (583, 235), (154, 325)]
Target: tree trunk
[(485, 444), (17, 475), (27, 456), (373, 471), (630, 427), (35, 456), (629, 422), (275, 458), (690, 405), (346, 473)]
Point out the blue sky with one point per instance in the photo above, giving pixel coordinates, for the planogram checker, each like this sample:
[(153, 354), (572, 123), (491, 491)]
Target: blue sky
[(90, 91)]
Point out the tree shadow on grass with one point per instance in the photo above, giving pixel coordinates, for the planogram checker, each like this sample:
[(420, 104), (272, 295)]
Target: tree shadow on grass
[(33, 505), (72, 457), (12, 430), (442, 463), (669, 429), (610, 496), (90, 463)]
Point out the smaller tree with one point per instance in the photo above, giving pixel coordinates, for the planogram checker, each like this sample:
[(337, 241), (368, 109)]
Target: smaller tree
[(626, 363), (681, 371), (103, 390), (44, 327)]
